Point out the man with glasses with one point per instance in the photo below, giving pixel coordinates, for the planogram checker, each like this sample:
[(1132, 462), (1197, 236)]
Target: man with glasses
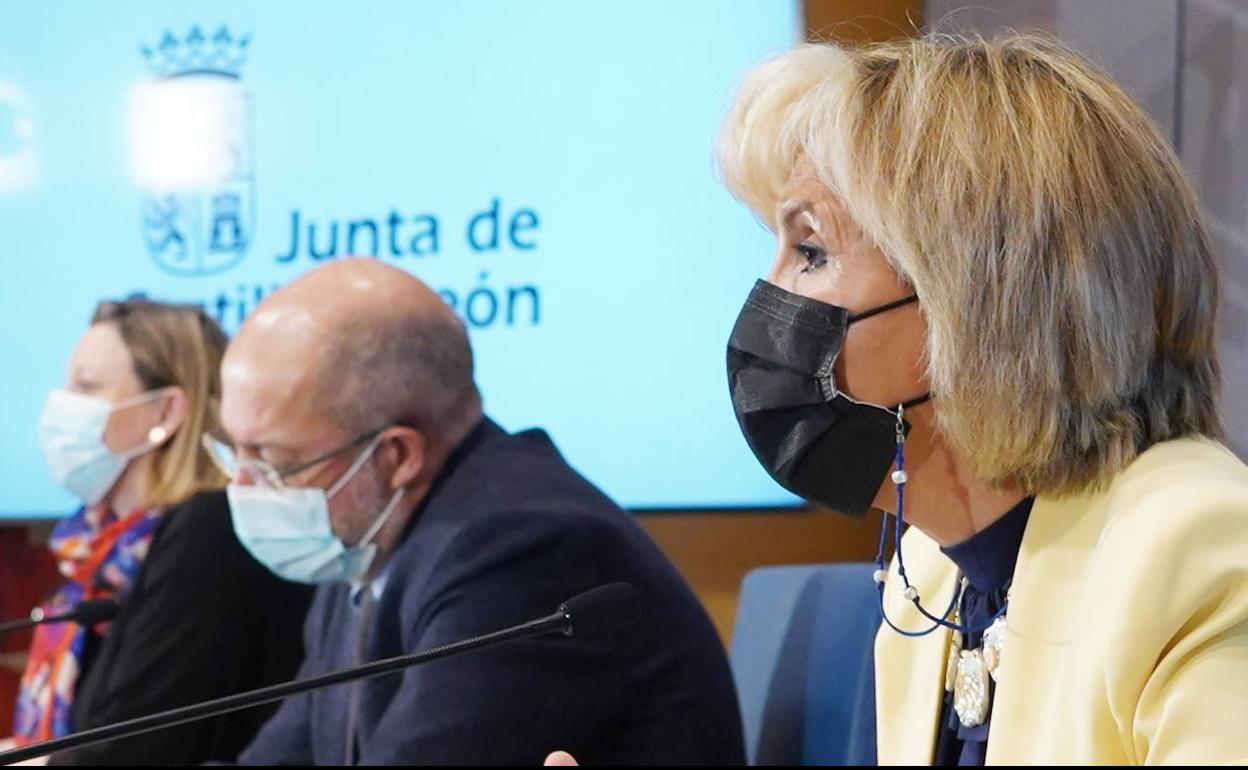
[(361, 461)]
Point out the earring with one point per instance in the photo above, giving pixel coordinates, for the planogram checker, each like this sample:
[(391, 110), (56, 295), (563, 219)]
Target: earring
[(157, 435)]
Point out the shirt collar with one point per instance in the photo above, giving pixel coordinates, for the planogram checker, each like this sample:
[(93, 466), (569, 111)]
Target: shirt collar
[(987, 558)]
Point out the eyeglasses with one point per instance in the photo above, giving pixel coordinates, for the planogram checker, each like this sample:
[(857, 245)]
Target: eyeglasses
[(256, 472)]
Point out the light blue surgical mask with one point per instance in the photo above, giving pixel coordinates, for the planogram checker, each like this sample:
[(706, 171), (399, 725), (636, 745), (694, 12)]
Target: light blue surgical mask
[(288, 529), (71, 435)]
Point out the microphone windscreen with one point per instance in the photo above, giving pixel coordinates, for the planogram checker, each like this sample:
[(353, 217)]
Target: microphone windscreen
[(94, 611), (602, 610)]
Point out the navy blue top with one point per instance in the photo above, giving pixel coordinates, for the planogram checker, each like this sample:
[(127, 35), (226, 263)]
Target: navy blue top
[(508, 533), (986, 560)]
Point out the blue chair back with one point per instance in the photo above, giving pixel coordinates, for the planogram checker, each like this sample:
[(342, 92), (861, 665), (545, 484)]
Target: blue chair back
[(802, 658)]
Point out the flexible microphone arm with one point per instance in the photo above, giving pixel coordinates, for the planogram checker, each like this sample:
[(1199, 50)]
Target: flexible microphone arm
[(88, 613), (599, 610)]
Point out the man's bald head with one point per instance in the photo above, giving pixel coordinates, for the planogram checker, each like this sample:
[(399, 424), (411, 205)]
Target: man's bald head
[(370, 345)]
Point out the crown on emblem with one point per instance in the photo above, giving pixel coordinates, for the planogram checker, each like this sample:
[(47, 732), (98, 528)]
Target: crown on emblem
[(221, 54)]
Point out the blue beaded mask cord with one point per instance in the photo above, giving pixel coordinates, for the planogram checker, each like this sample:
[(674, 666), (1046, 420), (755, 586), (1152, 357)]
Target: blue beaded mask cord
[(910, 592)]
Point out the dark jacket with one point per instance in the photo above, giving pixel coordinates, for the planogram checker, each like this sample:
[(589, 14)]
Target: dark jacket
[(203, 620), (509, 532)]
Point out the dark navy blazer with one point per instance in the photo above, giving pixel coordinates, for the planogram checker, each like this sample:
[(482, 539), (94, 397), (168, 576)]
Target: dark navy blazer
[(508, 532)]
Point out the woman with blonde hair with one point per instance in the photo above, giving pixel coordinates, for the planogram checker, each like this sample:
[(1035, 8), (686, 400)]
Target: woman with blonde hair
[(198, 617), (992, 313)]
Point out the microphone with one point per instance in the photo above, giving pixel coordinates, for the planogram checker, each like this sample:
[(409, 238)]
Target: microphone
[(600, 610), (86, 613)]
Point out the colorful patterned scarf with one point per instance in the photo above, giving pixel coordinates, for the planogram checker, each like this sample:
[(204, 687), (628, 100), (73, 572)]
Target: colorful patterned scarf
[(101, 555)]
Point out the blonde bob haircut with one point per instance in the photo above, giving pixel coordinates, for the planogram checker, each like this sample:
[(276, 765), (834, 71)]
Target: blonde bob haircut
[(1055, 244), (175, 345)]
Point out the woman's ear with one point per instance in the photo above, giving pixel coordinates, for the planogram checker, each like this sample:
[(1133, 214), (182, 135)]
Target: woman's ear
[(173, 408)]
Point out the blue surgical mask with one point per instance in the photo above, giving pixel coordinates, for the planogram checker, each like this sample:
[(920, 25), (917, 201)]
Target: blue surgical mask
[(288, 529), (71, 435)]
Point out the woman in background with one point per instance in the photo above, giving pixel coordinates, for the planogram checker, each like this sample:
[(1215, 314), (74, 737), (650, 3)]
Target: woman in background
[(199, 618)]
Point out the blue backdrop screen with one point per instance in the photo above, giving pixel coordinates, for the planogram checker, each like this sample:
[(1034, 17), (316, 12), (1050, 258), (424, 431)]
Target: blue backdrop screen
[(546, 166)]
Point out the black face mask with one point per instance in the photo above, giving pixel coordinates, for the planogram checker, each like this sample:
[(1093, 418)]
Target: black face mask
[(814, 440)]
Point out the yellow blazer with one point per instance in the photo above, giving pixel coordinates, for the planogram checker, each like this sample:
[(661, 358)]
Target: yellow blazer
[(1127, 629)]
